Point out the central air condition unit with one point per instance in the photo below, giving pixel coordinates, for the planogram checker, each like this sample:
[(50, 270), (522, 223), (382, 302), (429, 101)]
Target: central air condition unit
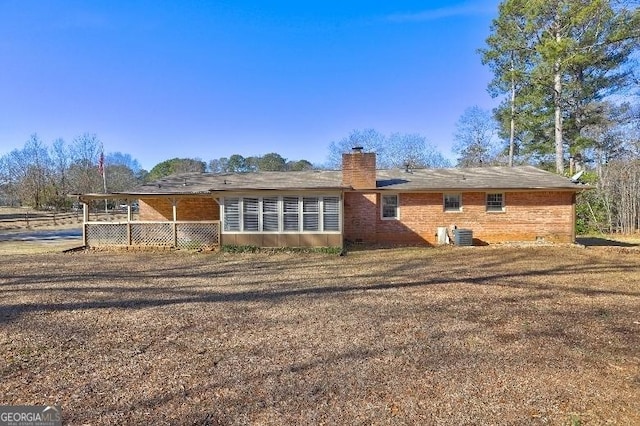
[(463, 237)]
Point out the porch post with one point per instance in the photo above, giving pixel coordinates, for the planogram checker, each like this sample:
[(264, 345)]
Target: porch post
[(128, 223), (174, 204), (85, 219)]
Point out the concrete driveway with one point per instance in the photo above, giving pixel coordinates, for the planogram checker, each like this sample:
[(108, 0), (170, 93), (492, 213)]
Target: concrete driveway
[(52, 235)]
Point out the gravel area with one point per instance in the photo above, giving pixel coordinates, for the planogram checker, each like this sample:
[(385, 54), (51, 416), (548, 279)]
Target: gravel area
[(485, 335)]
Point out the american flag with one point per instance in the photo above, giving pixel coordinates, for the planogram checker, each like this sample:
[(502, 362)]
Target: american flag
[(101, 163)]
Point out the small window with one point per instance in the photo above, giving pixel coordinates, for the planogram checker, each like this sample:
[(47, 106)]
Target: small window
[(495, 202), (452, 203), (390, 207)]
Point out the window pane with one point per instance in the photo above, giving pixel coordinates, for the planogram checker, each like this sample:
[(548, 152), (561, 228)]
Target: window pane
[(231, 214), (310, 222), (290, 214), (270, 214), (310, 205), (389, 206), (250, 214), (452, 202), (331, 213), (270, 205), (310, 209), (495, 202)]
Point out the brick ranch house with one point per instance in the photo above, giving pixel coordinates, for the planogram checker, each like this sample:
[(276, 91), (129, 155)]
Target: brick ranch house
[(357, 204)]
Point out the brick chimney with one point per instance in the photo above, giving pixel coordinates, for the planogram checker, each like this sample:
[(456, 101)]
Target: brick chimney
[(359, 169)]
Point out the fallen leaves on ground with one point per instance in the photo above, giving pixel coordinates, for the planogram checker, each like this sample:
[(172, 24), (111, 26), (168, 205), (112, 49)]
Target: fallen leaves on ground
[(493, 335)]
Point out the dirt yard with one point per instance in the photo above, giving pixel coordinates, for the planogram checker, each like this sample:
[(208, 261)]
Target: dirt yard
[(491, 335)]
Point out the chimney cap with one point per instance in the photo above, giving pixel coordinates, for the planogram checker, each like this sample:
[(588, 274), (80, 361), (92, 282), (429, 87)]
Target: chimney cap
[(357, 149)]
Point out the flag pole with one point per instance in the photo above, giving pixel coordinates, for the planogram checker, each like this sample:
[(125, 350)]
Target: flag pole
[(104, 176)]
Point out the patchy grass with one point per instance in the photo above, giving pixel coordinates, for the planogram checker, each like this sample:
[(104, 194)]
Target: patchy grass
[(36, 247), (228, 248), (494, 335)]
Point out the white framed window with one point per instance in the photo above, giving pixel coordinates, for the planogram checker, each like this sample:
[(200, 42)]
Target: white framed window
[(232, 214), (290, 214), (390, 206), (270, 216), (452, 202), (331, 213), (495, 202), (250, 214), (310, 214), (281, 214)]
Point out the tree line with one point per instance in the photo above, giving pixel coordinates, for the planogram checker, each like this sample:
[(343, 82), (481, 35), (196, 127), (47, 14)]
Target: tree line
[(42, 176), (236, 163), (567, 76)]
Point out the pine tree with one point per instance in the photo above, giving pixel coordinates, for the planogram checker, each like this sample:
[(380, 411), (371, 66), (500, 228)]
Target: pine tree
[(556, 59)]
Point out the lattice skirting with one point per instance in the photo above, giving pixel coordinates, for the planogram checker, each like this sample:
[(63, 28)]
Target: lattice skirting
[(112, 234), (197, 235), (186, 235), (152, 234)]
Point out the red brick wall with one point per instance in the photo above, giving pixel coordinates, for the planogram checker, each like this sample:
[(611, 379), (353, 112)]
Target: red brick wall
[(527, 217), (359, 170), (360, 217), (196, 208)]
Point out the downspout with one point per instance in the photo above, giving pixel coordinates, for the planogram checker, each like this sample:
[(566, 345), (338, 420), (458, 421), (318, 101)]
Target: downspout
[(341, 224)]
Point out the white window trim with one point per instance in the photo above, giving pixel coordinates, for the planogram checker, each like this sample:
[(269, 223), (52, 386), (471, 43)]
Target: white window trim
[(281, 214), (449, 210), (486, 203), (397, 216)]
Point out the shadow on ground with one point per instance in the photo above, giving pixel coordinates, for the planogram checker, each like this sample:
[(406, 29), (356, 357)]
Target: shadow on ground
[(604, 242)]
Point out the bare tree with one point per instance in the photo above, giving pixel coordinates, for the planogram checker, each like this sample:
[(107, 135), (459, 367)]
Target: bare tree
[(60, 165), (396, 150), (474, 138), (85, 153), (620, 187), (26, 174)]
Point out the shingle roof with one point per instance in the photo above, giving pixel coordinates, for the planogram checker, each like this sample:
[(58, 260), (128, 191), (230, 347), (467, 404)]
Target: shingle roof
[(193, 183), (483, 178), (522, 177)]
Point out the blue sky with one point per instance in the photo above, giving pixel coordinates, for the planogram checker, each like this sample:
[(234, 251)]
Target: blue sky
[(162, 79)]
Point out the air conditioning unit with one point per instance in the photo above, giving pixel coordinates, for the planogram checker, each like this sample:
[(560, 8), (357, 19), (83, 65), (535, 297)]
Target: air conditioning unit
[(463, 237)]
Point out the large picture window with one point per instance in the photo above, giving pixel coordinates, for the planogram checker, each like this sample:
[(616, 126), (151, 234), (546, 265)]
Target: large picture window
[(282, 214)]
